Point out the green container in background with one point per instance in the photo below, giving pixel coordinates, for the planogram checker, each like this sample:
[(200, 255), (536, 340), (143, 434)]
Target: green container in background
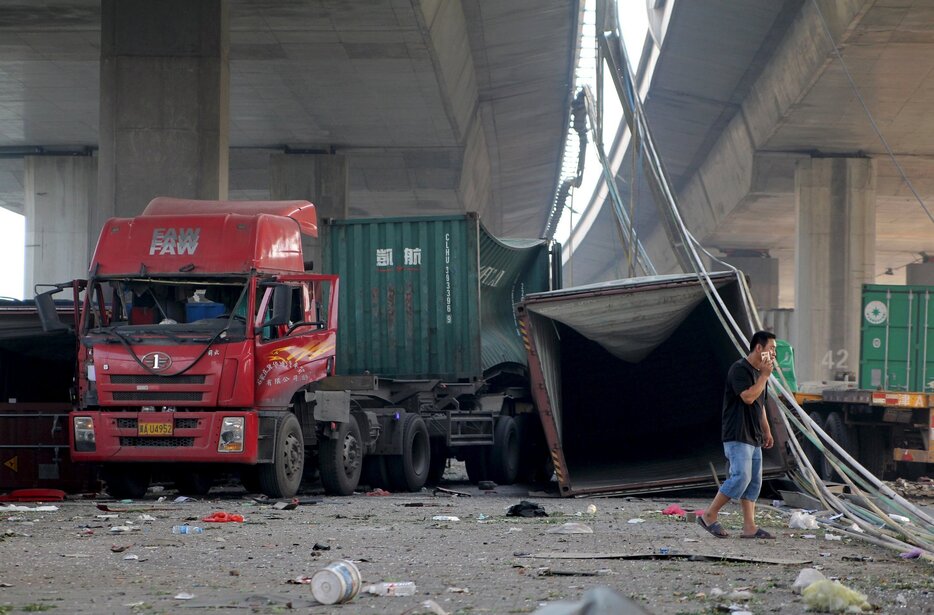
[(429, 297), (897, 338), (785, 358)]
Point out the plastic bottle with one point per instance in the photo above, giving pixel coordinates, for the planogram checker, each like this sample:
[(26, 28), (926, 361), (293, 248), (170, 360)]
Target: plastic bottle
[(187, 529), (403, 588)]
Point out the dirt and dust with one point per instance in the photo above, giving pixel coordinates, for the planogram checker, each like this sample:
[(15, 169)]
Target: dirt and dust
[(74, 560)]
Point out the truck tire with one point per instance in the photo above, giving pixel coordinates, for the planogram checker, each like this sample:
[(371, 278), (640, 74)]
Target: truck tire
[(836, 429), (409, 471), (341, 459), (439, 461), (282, 477), (128, 481), (505, 458)]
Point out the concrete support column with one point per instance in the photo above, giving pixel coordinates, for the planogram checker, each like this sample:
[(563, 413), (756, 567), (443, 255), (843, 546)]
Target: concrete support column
[(60, 192), (164, 110), (319, 178), (762, 271), (835, 206)]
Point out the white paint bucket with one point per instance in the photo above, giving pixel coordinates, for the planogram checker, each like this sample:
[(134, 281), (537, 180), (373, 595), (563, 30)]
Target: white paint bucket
[(337, 582)]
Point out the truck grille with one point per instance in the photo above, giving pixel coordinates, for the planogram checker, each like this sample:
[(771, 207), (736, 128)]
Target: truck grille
[(157, 395), (151, 379), (157, 442), (131, 423)]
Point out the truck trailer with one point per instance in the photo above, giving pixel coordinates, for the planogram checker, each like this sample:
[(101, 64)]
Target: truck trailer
[(628, 377), (885, 419), (204, 344)]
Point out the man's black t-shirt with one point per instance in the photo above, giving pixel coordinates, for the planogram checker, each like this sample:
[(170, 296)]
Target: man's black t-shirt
[(741, 421)]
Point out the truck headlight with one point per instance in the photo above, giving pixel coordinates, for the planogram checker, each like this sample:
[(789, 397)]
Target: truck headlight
[(84, 434), (231, 438)]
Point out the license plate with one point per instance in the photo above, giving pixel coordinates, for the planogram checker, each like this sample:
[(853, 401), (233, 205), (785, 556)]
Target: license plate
[(155, 429)]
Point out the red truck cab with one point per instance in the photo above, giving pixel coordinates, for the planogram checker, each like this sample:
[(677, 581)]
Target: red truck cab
[(199, 338)]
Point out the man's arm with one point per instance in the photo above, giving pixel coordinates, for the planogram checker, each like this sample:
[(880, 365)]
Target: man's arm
[(750, 395)]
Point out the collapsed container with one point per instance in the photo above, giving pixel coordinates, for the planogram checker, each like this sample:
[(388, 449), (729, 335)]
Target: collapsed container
[(628, 377)]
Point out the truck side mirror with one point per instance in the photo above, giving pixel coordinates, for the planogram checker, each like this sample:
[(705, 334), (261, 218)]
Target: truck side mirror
[(48, 315), (281, 296)]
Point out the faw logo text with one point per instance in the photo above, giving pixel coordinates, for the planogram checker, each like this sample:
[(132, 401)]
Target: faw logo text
[(174, 241)]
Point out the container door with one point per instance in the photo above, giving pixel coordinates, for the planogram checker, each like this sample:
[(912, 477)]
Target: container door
[(886, 351)]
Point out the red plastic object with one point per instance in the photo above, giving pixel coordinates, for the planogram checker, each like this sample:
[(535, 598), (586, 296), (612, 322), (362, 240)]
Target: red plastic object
[(674, 509), (34, 495), (223, 517)]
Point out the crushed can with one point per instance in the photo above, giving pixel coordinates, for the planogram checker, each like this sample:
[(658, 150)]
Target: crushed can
[(337, 582)]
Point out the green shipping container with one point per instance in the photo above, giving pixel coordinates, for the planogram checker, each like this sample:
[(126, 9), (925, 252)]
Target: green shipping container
[(429, 297), (785, 357), (897, 342)]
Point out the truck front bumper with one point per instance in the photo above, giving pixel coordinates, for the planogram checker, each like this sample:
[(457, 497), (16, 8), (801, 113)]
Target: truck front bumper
[(163, 436)]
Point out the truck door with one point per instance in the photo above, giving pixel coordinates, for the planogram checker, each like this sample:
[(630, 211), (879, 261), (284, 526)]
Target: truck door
[(294, 354)]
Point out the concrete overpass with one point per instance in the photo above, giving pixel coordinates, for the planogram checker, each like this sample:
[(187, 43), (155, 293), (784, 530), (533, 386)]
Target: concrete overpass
[(383, 107), (776, 162)]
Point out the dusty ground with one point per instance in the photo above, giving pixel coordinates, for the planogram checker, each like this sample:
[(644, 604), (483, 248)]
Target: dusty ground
[(62, 561)]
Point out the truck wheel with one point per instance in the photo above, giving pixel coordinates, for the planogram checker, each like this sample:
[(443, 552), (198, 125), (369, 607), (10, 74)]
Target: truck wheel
[(342, 459), (478, 460), (127, 481), (837, 430), (439, 461), (374, 473), (194, 482), (281, 478), (505, 466), (409, 471)]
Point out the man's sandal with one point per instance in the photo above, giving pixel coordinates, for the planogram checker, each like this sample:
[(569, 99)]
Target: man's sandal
[(760, 533), (714, 528)]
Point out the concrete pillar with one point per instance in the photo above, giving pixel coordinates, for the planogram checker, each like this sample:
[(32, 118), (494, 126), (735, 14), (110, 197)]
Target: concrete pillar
[(835, 207), (319, 178), (762, 272), (59, 193), (164, 111)]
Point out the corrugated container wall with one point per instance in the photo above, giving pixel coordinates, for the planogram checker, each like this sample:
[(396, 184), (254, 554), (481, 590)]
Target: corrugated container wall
[(409, 295), (897, 345), (430, 297)]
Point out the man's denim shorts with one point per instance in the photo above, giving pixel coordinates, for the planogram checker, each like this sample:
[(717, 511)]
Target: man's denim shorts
[(745, 478)]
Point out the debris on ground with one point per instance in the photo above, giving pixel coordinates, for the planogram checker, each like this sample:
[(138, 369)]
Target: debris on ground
[(806, 578), (801, 520), (526, 509), (221, 516), (674, 509), (596, 601), (827, 596), (571, 528)]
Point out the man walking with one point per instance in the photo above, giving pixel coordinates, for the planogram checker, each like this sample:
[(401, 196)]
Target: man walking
[(745, 432)]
